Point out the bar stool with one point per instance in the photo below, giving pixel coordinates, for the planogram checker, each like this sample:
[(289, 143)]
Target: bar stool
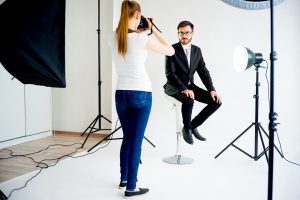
[(178, 158)]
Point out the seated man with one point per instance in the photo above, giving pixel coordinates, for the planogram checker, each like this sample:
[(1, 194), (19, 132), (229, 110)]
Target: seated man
[(180, 70)]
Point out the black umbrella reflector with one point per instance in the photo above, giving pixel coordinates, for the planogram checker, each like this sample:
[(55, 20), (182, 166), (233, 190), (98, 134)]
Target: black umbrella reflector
[(32, 41)]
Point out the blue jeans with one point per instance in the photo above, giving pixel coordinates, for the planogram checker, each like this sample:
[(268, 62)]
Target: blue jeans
[(133, 108)]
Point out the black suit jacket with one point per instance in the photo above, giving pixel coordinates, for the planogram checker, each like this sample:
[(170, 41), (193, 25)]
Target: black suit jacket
[(179, 73)]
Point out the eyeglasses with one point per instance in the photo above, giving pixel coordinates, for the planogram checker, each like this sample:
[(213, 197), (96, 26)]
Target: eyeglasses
[(188, 33)]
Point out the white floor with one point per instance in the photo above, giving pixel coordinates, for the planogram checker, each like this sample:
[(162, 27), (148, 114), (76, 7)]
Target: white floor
[(232, 176)]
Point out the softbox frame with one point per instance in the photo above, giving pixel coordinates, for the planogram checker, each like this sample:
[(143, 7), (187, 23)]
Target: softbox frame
[(32, 41)]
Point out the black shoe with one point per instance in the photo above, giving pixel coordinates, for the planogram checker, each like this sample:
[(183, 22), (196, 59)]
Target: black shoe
[(197, 135), (122, 185), (187, 136), (140, 192)]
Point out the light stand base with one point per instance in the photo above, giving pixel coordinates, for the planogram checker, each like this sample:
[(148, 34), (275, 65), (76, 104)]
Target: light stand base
[(108, 138), (91, 128), (256, 156)]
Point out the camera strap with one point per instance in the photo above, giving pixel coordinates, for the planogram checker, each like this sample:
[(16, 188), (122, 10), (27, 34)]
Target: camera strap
[(155, 27)]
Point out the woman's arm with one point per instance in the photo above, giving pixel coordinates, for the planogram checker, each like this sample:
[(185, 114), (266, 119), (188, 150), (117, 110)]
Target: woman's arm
[(161, 45)]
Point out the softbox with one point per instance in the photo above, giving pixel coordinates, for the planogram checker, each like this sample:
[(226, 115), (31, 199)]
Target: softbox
[(32, 41)]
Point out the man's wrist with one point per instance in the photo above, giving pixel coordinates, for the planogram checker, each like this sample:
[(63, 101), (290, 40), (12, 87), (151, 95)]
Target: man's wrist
[(184, 90)]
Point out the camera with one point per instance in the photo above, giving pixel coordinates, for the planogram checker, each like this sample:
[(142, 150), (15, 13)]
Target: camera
[(143, 23)]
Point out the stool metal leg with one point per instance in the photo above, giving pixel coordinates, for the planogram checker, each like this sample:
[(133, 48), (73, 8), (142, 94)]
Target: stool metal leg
[(178, 146), (178, 159)]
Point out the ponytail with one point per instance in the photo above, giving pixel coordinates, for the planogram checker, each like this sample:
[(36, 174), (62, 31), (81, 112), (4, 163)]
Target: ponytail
[(128, 9)]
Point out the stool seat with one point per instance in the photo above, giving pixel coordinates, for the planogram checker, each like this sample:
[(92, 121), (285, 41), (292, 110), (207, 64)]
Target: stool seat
[(178, 158)]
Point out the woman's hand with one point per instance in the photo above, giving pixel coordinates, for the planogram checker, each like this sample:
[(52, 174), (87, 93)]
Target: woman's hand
[(149, 21), (149, 26)]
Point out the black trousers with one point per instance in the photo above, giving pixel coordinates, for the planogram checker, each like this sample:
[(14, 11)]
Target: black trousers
[(202, 96)]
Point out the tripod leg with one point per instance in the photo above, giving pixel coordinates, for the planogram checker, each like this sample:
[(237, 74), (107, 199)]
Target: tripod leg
[(105, 118), (149, 141), (2, 195), (263, 144), (104, 138), (91, 130), (274, 145), (234, 140), (91, 125)]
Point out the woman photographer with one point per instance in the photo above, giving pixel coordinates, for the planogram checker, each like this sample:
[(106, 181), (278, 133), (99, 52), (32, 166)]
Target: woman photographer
[(133, 91)]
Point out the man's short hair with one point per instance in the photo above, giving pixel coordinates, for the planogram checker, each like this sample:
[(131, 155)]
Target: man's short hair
[(184, 24)]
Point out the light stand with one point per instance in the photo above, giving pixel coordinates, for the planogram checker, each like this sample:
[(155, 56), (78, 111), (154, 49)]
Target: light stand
[(257, 126), (272, 114), (91, 128)]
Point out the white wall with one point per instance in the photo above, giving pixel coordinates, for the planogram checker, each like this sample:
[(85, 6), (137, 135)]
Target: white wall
[(76, 106), (25, 111), (12, 106)]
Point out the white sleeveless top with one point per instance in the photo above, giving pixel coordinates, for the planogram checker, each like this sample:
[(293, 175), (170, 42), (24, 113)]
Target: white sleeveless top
[(131, 70)]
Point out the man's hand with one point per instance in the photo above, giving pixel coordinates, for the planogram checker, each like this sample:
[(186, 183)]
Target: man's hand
[(216, 97), (189, 93)]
